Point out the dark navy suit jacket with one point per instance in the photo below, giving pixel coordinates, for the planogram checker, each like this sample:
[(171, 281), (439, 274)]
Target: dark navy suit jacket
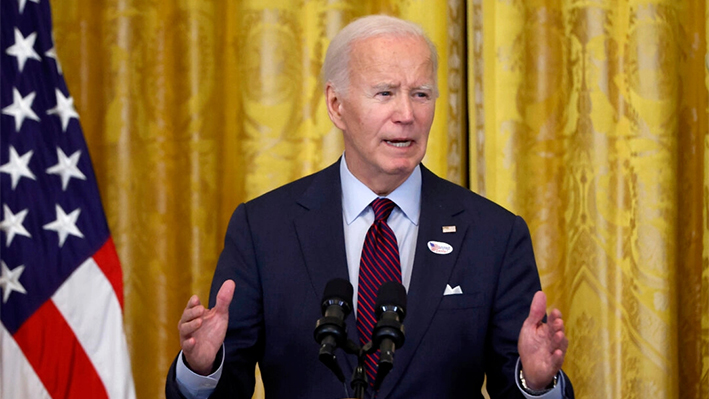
[(282, 248)]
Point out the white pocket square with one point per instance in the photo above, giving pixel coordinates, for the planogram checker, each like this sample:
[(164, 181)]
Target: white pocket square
[(452, 291)]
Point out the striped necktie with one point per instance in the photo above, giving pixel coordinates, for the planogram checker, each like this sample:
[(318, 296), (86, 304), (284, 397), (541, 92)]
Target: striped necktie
[(379, 263)]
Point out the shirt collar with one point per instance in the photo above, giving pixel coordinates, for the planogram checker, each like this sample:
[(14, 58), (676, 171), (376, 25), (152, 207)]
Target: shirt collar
[(356, 196)]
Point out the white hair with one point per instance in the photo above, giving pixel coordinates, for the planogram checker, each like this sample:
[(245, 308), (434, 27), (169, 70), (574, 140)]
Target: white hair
[(335, 69)]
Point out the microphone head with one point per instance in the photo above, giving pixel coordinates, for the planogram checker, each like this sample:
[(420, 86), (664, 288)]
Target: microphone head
[(391, 297), (338, 291)]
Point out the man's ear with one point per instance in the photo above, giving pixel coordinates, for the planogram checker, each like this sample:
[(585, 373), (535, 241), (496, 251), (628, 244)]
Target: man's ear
[(334, 105)]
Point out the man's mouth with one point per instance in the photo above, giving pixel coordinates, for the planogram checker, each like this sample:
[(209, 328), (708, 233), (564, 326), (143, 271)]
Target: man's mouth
[(400, 144)]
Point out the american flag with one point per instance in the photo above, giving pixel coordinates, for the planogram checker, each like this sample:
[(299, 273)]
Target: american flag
[(61, 288)]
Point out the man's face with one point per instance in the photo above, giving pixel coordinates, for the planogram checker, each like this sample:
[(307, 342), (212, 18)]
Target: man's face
[(387, 111)]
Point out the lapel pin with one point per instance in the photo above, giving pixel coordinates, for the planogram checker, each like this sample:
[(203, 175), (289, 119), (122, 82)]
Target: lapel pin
[(449, 229)]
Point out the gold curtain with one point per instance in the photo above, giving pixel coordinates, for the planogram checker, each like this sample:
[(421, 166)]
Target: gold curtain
[(192, 106), (588, 117)]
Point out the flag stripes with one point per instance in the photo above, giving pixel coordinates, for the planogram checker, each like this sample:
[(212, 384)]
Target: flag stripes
[(15, 367), (47, 340), (88, 304)]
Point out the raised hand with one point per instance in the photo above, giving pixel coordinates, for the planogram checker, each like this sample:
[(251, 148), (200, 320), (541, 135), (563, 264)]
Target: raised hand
[(202, 330), (542, 346)]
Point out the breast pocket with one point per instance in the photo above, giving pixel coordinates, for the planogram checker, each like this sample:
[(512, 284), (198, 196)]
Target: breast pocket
[(462, 301)]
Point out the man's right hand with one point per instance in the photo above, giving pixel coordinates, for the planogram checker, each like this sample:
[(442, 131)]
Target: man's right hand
[(202, 330)]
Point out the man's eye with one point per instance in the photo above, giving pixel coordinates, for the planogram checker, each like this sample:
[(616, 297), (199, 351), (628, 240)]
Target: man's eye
[(421, 95), (385, 93)]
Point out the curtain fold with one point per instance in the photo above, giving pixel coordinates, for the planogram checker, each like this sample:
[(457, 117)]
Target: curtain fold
[(588, 118)]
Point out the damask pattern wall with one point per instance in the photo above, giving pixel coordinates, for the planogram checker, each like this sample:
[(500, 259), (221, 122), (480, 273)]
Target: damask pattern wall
[(586, 117)]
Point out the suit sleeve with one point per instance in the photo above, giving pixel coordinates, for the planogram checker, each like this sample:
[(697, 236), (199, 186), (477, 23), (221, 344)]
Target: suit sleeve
[(243, 342), (518, 280)]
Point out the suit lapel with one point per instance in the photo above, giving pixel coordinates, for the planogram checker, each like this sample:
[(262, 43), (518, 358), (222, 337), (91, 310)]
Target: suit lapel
[(431, 272), (321, 236)]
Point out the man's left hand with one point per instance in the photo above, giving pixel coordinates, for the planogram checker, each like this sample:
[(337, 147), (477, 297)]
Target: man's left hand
[(542, 346)]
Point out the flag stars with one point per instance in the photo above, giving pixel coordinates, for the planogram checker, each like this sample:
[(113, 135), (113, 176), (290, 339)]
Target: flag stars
[(23, 2), (67, 167), (65, 225), (64, 109), (21, 108), (12, 224), (18, 166), (23, 48), (10, 280), (52, 53)]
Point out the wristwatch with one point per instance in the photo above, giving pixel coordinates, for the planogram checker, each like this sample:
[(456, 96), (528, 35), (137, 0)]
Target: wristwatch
[(536, 392)]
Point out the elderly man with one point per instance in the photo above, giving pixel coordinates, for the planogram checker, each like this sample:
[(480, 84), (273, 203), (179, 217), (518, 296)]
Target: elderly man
[(474, 309)]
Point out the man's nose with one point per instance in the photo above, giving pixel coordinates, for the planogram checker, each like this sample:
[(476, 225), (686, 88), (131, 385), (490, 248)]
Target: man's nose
[(404, 112)]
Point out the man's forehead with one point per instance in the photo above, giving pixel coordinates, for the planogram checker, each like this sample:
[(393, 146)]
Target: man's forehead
[(390, 43), (384, 55)]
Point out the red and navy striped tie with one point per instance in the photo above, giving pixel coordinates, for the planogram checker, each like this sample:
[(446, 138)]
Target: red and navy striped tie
[(379, 264)]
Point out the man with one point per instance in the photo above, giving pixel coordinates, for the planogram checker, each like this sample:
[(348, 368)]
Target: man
[(467, 263)]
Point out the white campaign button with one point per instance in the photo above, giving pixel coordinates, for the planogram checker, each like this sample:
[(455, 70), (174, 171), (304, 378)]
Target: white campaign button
[(441, 248)]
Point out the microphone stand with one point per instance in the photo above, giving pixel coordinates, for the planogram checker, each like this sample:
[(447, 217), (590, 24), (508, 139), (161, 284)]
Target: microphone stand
[(359, 380), (359, 376)]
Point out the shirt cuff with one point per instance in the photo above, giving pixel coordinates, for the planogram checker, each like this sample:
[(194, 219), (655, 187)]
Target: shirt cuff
[(556, 393), (193, 385)]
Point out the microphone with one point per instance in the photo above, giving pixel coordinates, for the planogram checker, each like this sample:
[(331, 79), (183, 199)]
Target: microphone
[(330, 330), (388, 334)]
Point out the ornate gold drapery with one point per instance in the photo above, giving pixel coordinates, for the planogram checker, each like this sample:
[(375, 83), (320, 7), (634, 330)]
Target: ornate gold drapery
[(590, 119), (587, 117)]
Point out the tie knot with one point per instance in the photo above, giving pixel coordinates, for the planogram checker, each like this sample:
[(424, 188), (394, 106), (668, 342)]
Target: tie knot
[(382, 208)]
